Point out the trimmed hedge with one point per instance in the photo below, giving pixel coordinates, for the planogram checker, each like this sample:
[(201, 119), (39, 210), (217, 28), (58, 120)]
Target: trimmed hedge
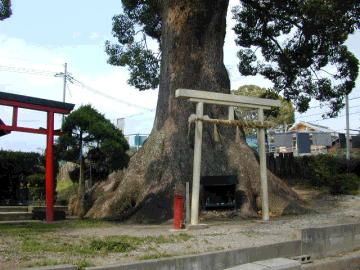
[(338, 174), (22, 177), (346, 183)]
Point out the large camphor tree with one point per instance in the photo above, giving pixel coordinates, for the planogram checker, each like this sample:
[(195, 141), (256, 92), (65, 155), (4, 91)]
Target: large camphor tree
[(298, 45)]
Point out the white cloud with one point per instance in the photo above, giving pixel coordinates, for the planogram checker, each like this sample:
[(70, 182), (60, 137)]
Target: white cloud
[(87, 63), (76, 35), (94, 35)]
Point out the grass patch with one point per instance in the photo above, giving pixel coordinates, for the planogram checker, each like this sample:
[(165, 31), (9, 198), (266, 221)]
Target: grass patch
[(126, 243), (38, 244), (39, 227), (157, 255), (55, 244), (111, 245)]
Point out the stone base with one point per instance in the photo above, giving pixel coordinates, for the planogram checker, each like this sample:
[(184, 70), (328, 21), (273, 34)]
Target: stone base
[(191, 227)]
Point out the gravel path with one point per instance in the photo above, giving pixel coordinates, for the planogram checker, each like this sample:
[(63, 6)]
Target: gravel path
[(220, 234), (236, 233)]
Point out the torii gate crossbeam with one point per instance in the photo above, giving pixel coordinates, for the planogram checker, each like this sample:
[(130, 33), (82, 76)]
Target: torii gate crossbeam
[(51, 107)]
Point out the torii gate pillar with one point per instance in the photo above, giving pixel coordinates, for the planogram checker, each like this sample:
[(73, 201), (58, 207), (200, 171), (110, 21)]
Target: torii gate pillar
[(205, 97), (49, 177), (50, 107)]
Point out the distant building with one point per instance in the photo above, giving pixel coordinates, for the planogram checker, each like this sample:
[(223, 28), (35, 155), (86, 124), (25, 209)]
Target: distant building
[(310, 127), (136, 140), (120, 124), (303, 138)]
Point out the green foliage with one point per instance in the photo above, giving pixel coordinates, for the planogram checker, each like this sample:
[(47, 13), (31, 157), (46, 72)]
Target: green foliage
[(285, 115), (64, 194), (325, 171), (323, 168), (102, 144), (36, 186), (5, 9), (18, 171), (142, 62), (346, 183), (132, 49), (300, 42)]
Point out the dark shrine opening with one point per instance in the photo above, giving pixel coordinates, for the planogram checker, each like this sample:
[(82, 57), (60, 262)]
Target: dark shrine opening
[(219, 192)]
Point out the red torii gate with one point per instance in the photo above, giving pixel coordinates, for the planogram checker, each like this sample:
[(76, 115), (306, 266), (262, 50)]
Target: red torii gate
[(50, 107)]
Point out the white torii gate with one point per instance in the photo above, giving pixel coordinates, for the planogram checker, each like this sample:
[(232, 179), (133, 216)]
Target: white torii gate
[(205, 97)]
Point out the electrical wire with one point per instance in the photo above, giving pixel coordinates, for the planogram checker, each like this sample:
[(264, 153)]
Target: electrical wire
[(101, 93), (340, 116), (27, 71), (315, 114), (319, 106)]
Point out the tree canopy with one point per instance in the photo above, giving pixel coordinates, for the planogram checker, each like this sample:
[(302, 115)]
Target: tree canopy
[(298, 45), (302, 47), (283, 116), (5, 9), (103, 144)]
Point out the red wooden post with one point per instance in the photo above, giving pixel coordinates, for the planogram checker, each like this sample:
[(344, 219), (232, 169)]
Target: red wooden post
[(178, 211), (50, 168), (15, 116)]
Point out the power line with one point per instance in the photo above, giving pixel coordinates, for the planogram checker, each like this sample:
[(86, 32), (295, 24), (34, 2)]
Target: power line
[(340, 116), (71, 79), (27, 71), (319, 106), (101, 93), (315, 114), (28, 61)]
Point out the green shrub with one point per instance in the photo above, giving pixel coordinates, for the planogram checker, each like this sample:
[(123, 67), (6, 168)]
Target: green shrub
[(64, 194), (15, 167), (322, 169), (36, 187), (345, 183), (16, 170)]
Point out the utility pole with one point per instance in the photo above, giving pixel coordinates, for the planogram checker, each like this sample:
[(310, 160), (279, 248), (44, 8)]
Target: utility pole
[(347, 128), (66, 77), (64, 90)]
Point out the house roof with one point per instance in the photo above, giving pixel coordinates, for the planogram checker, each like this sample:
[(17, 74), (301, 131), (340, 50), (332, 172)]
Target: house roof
[(313, 126)]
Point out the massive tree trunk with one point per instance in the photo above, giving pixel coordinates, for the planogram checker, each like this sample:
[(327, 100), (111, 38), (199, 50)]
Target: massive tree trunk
[(192, 57)]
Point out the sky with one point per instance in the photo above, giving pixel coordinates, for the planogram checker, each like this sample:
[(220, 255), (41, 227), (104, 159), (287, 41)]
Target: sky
[(42, 35)]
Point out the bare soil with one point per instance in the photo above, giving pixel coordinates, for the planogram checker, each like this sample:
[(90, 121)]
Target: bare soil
[(222, 233)]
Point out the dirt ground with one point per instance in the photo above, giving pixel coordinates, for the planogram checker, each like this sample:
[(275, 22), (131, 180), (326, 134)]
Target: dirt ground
[(158, 241)]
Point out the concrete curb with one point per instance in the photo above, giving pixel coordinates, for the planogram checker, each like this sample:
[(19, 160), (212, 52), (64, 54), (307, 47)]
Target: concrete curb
[(329, 240), (272, 264), (213, 260), (347, 262)]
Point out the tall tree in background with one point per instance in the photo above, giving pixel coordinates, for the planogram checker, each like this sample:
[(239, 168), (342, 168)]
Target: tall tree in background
[(297, 40), (5, 9), (282, 117), (87, 134)]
